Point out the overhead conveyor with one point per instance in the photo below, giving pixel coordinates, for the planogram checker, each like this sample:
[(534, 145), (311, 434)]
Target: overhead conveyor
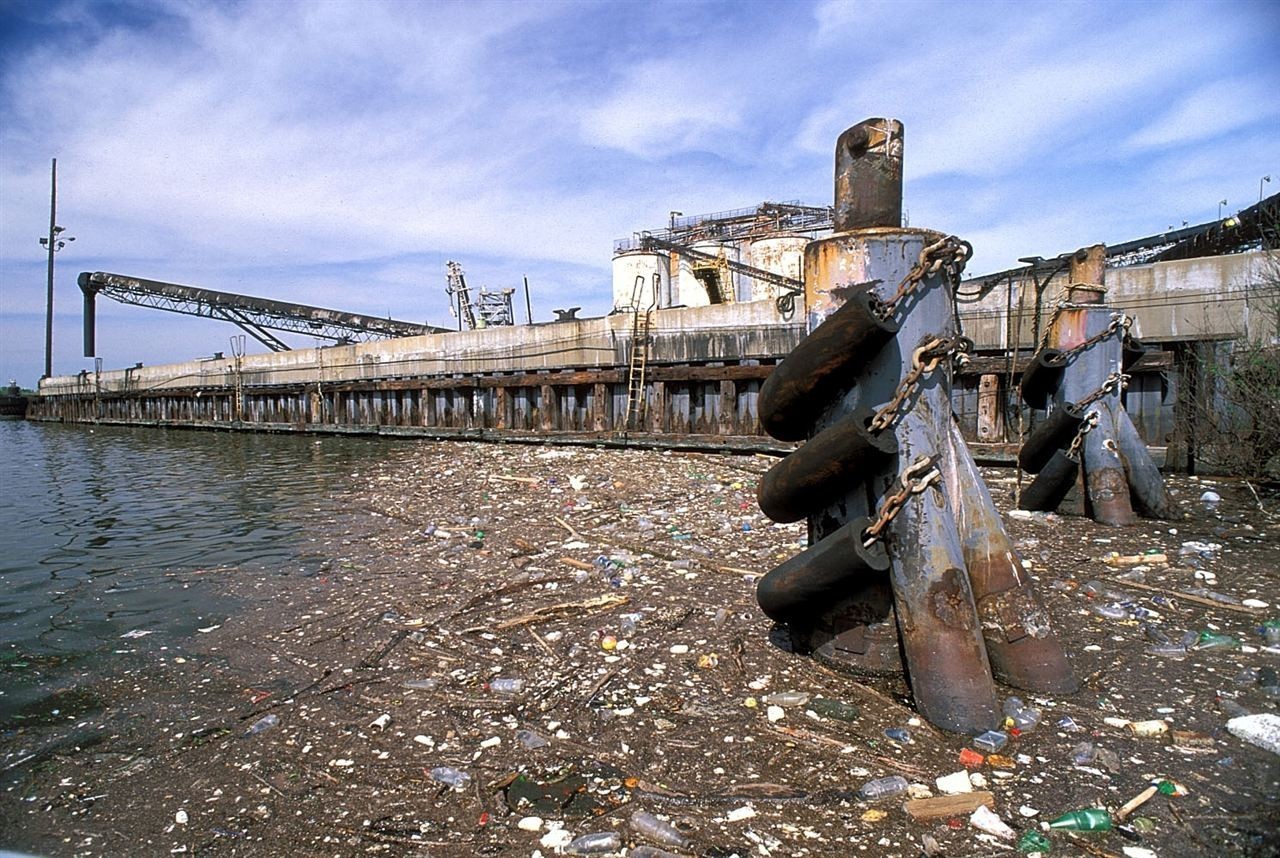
[(255, 316)]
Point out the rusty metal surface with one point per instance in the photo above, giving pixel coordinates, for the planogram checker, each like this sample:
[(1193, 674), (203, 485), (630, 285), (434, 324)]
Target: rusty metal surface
[(1023, 648), (819, 471), (868, 175), (799, 387)]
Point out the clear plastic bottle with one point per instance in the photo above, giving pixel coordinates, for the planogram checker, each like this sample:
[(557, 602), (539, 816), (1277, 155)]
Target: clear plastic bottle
[(901, 735), (451, 776), (595, 844), (530, 740), (787, 698), (650, 827), (883, 788), (505, 686), (651, 852), (266, 722)]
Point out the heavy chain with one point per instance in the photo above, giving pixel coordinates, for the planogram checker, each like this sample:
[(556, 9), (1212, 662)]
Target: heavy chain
[(913, 480), (1119, 322), (1116, 381), (947, 254), (1086, 426), (924, 360)]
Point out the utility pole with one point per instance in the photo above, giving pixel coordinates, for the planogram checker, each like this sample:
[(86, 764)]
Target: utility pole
[(54, 244), (51, 242)]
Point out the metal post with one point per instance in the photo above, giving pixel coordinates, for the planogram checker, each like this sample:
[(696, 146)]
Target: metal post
[(53, 241)]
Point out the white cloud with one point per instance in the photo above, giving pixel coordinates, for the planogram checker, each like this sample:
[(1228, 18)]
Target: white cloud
[(1211, 111)]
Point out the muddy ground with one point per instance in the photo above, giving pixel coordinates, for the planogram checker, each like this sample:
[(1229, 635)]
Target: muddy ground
[(619, 587)]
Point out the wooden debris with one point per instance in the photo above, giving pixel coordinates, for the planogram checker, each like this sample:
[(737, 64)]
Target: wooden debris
[(947, 806)]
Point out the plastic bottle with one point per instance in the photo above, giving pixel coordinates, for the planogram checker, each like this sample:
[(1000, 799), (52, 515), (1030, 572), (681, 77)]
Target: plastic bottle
[(1013, 705), (836, 709), (1026, 720), (1089, 819), (266, 722), (650, 827), (787, 698), (594, 844), (530, 739), (651, 852), (421, 684), (505, 686), (1083, 754), (991, 741), (1270, 631), (1209, 640), (883, 788), (451, 776)]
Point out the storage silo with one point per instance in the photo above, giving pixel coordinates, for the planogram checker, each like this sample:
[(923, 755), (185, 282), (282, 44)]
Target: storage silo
[(644, 265), (780, 254)]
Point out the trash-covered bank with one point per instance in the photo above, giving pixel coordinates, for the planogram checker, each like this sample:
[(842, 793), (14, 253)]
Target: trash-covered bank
[(517, 650)]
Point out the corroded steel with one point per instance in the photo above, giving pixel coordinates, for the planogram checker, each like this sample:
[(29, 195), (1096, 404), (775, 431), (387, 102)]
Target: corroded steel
[(812, 476), (1023, 648), (1146, 487), (805, 583), (799, 387), (868, 175)]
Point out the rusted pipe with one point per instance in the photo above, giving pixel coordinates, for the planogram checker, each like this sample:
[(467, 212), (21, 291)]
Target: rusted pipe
[(1023, 648), (868, 175), (821, 470)]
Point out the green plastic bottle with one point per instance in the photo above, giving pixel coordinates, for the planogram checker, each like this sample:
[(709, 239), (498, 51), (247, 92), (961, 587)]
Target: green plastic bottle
[(1089, 819)]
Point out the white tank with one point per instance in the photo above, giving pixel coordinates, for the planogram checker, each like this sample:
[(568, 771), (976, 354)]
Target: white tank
[(780, 254), (691, 291), (627, 267)]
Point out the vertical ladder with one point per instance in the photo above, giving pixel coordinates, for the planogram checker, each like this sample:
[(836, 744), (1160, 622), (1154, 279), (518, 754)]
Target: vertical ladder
[(642, 322)]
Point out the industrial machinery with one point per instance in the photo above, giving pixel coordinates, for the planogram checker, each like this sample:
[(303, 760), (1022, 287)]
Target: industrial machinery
[(487, 309), (255, 316)]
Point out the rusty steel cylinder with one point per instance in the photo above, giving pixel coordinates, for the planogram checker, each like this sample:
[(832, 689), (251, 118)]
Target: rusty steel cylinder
[(1052, 484), (1050, 435), (868, 175), (1023, 648), (804, 584), (1042, 378), (821, 470), (817, 370)]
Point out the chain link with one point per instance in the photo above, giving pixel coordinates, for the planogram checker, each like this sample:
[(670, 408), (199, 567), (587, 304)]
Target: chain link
[(1086, 426), (1116, 381), (947, 254), (925, 359), (1119, 322), (913, 480)]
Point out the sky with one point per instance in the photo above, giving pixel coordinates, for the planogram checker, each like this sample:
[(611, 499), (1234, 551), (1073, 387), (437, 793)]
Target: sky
[(339, 153)]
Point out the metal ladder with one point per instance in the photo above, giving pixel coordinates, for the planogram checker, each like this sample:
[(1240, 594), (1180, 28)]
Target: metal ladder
[(641, 324)]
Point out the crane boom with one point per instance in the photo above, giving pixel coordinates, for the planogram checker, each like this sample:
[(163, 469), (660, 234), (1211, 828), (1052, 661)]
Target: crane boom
[(256, 316)]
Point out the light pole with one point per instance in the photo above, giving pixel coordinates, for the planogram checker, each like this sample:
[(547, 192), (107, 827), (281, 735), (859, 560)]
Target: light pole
[(1221, 203), (1261, 182), (54, 244)]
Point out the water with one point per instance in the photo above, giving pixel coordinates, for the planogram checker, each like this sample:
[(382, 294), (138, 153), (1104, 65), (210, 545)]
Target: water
[(114, 540)]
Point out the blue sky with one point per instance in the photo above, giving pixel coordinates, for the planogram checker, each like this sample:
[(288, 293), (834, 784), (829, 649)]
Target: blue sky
[(338, 153)]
